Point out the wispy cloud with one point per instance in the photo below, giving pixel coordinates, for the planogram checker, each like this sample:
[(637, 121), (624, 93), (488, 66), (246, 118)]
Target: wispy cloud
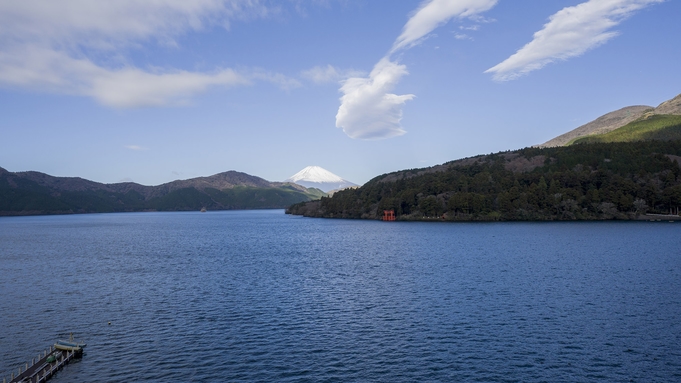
[(278, 79), (74, 47), (569, 33), (135, 147), (46, 69), (321, 75), (117, 23), (368, 110), (434, 13), (327, 74)]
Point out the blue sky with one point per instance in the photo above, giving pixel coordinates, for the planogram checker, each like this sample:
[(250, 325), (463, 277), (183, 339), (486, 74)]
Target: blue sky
[(157, 91)]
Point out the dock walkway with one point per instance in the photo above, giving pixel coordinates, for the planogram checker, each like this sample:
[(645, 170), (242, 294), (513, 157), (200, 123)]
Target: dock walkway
[(52, 360)]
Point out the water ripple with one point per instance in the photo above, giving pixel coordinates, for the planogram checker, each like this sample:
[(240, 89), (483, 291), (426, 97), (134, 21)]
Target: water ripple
[(260, 296)]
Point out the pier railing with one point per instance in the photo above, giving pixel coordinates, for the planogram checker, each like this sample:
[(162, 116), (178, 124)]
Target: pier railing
[(40, 370)]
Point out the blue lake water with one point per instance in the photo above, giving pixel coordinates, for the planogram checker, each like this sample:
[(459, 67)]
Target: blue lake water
[(262, 296)]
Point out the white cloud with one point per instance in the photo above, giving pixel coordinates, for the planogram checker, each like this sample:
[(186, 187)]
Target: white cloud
[(569, 33), (284, 82), (44, 69), (74, 47), (134, 88), (110, 23), (321, 75), (368, 110), (329, 73), (434, 13), (135, 147)]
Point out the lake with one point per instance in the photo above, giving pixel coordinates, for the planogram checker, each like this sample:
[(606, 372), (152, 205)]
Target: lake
[(262, 296)]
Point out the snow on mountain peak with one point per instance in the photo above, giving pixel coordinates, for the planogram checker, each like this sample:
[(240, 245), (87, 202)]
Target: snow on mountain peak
[(314, 174), (320, 178)]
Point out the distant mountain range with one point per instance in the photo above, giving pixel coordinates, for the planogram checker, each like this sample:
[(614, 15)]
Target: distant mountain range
[(619, 119), (27, 193), (630, 166), (319, 178)]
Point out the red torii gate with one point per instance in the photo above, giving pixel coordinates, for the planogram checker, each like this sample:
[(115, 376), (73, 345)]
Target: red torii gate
[(388, 215)]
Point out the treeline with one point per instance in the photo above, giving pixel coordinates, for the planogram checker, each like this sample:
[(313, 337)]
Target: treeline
[(24, 197), (578, 182)]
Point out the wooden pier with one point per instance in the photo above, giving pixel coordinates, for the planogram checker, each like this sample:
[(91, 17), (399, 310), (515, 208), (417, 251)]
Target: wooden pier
[(44, 367)]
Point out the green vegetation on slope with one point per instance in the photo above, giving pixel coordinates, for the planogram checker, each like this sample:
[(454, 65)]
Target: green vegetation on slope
[(655, 127), (239, 197), (20, 196), (578, 182)]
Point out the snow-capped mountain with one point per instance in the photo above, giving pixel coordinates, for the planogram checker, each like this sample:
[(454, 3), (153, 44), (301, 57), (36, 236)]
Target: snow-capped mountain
[(320, 178)]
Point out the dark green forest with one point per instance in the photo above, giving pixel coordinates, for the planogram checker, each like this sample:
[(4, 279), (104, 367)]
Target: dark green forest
[(24, 197), (579, 182)]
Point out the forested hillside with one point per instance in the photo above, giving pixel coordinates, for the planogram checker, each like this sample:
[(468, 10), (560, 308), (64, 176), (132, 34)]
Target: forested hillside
[(579, 182), (29, 193)]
